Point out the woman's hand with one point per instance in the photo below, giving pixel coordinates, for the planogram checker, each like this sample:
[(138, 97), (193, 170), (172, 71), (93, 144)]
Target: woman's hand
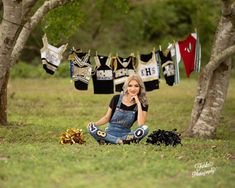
[(136, 99), (142, 115)]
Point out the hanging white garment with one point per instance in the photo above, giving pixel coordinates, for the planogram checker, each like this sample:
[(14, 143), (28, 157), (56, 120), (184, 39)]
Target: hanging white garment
[(51, 56)]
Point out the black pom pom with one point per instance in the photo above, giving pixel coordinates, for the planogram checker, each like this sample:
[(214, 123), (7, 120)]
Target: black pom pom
[(159, 137)]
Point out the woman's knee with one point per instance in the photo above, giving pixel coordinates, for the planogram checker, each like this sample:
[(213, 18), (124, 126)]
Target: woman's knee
[(96, 132), (92, 129), (141, 132), (145, 128)]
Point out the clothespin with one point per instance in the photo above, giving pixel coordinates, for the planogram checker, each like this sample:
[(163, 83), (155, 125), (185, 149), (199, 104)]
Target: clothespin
[(96, 53), (160, 47), (45, 40)]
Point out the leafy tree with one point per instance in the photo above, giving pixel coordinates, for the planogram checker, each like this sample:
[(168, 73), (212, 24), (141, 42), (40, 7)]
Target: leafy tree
[(19, 18), (214, 81)]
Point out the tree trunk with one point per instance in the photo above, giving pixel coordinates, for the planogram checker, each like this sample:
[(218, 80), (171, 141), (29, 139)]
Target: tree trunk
[(206, 112), (15, 29), (9, 31), (214, 81), (3, 101)]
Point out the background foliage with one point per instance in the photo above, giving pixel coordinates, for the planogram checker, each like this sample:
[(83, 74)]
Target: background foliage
[(125, 26)]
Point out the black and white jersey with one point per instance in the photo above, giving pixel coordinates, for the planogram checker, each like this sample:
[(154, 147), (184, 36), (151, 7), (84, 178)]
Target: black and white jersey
[(103, 75)]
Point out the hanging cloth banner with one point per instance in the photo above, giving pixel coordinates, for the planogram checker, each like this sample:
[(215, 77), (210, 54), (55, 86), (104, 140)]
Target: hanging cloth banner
[(51, 56), (148, 69), (190, 52), (167, 67), (122, 68), (103, 75), (80, 69)]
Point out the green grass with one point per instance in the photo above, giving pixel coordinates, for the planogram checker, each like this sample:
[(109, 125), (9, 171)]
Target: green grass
[(41, 109)]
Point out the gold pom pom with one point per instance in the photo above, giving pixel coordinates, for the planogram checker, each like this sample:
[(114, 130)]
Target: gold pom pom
[(72, 136)]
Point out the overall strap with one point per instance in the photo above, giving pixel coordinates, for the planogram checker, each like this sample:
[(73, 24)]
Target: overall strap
[(120, 100), (136, 108)]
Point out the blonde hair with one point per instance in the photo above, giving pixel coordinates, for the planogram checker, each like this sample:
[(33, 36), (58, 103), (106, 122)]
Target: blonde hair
[(142, 93)]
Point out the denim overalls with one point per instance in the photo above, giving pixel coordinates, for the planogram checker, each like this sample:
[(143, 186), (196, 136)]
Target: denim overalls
[(119, 127)]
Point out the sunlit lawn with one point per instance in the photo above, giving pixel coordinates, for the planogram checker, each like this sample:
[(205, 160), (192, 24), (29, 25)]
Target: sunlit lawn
[(39, 110)]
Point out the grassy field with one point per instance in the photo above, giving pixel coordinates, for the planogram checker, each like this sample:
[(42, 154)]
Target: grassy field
[(41, 109)]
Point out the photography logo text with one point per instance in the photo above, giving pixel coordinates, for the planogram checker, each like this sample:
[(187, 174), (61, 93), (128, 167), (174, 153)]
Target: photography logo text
[(203, 169)]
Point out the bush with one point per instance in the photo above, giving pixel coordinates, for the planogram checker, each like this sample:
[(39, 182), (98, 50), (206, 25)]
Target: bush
[(25, 70)]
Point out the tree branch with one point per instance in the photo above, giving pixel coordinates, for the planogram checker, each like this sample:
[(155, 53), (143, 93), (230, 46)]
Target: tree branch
[(26, 10), (213, 64), (32, 23)]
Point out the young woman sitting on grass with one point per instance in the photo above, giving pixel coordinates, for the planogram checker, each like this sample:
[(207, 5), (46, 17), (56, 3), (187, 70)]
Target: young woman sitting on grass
[(124, 109)]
